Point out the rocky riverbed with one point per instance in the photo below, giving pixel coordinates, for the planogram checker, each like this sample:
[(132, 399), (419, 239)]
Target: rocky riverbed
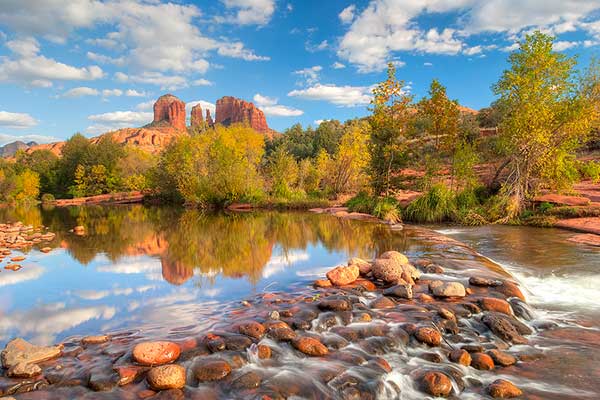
[(367, 330)]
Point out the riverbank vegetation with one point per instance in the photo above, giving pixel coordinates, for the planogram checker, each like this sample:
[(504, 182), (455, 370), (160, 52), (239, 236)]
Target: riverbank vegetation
[(546, 111)]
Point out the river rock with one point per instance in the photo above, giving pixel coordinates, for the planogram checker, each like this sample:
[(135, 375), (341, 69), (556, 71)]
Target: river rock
[(501, 358), (460, 356), (340, 276), (428, 336), (498, 305), (211, 370), (503, 389), (449, 289), (156, 353), (401, 291), (322, 283), (364, 267), (21, 351), (482, 361), (382, 302), (436, 384), (282, 334), (396, 256), (480, 281), (95, 339), (334, 305), (264, 352), (249, 380), (24, 370), (164, 377), (503, 328), (510, 289), (128, 373), (310, 346), (251, 328)]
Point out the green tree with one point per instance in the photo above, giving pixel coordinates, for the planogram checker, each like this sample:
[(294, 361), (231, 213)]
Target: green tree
[(390, 121), (549, 110), (443, 117), (283, 171)]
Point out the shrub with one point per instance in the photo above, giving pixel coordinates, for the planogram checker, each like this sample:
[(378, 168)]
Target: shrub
[(387, 209), (545, 207), (47, 198), (438, 204), (362, 203), (590, 170)]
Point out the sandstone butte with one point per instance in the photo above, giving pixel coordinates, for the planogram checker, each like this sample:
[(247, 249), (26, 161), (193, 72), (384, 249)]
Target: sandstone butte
[(169, 122)]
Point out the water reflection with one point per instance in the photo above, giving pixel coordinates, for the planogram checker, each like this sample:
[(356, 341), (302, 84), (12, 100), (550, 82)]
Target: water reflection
[(137, 264)]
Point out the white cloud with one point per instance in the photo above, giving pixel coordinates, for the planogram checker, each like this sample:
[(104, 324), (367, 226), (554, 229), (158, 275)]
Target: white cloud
[(250, 12), (338, 65), (237, 50), (6, 138), (204, 104), (318, 47), (310, 74), (564, 45), (117, 120), (134, 93), (103, 59), (427, 64), (270, 107), (345, 96), (347, 14), (81, 91), (202, 82), (31, 68), (146, 105), (385, 27), (319, 121), (112, 92), (169, 82), (16, 120)]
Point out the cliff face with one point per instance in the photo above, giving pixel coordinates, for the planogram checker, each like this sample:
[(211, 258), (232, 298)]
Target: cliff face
[(170, 111), (231, 110)]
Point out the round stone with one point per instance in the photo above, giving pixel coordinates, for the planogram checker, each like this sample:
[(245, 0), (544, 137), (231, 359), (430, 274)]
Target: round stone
[(428, 336), (164, 377), (310, 346), (503, 389), (211, 370), (156, 353), (436, 384)]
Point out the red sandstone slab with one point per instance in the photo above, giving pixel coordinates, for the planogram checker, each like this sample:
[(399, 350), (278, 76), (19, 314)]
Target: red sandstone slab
[(586, 238), (587, 225), (563, 200)]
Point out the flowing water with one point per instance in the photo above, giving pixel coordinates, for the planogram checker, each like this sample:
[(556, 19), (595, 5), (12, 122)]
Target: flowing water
[(165, 272)]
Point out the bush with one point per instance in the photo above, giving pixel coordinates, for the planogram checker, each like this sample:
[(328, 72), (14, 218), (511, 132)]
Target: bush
[(387, 209), (47, 198), (590, 170), (362, 203), (545, 207), (436, 205)]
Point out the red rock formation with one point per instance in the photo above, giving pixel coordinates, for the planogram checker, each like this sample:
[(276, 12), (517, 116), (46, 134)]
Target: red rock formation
[(171, 110), (197, 119), (231, 110), (209, 120)]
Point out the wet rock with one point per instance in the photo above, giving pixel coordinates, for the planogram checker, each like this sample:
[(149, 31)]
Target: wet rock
[(498, 305), (503, 328), (237, 342), (460, 356), (432, 269), (503, 389), (470, 308), (362, 284), (429, 336), (214, 343), (502, 358), (510, 289), (21, 351), (396, 256), (282, 334), (364, 267), (249, 380), (387, 270), (310, 346), (401, 291), (446, 314), (156, 353), (341, 276), (102, 381), (449, 289), (128, 373), (251, 328), (334, 305), (322, 283), (382, 302), (472, 348), (264, 352), (436, 384), (211, 370), (480, 281), (432, 357), (95, 339), (482, 361), (24, 370), (164, 377)]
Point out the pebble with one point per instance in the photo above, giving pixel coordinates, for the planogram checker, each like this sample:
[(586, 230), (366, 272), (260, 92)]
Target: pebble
[(211, 370), (428, 336), (503, 389), (449, 289), (164, 377), (95, 339), (310, 346), (252, 328), (460, 356), (156, 353), (436, 384), (482, 361)]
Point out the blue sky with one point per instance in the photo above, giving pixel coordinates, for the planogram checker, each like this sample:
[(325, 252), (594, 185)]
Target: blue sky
[(97, 65)]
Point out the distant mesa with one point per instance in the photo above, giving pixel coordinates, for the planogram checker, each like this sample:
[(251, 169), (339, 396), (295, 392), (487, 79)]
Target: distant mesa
[(10, 149), (170, 121)]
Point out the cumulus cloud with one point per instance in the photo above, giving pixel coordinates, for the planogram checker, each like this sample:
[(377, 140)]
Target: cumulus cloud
[(202, 82), (118, 119), (310, 74), (338, 65), (249, 12), (104, 59), (206, 105), (27, 66), (344, 96), (312, 48), (270, 107), (347, 14), (237, 50), (385, 27), (169, 82), (88, 91), (16, 120)]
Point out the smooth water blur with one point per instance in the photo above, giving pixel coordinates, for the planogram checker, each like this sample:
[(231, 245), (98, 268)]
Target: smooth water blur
[(157, 267)]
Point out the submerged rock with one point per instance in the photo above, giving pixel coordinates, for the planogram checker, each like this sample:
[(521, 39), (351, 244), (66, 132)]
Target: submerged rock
[(503, 389), (503, 327), (502, 358), (436, 384), (156, 353), (211, 370), (171, 376), (21, 351), (428, 336), (498, 305), (310, 346)]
